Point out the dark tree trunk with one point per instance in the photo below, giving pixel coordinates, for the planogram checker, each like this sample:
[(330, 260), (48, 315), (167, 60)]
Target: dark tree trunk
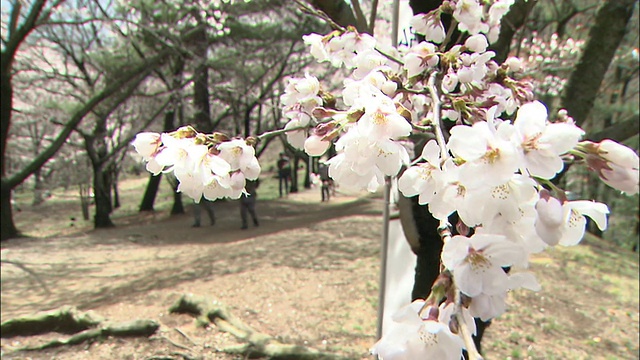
[(511, 22), (116, 194), (150, 192), (202, 116), (153, 185), (247, 122), (37, 188), (8, 229), (604, 38), (177, 207), (102, 197), (307, 173), (294, 174), (6, 104), (83, 191)]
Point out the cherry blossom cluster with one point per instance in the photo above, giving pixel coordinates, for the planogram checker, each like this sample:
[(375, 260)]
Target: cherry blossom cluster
[(490, 154), (210, 166)]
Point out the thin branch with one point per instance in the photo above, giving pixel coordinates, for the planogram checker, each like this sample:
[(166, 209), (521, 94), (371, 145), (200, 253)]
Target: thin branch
[(185, 336), (362, 21), (436, 121), (273, 133), (450, 31), (175, 343), (374, 15), (470, 346)]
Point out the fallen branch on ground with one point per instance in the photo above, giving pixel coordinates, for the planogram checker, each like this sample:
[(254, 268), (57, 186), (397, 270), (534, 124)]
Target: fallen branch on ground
[(255, 344), (67, 320)]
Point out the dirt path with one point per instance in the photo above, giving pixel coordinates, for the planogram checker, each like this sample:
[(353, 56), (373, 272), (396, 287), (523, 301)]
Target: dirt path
[(307, 263), (308, 275)]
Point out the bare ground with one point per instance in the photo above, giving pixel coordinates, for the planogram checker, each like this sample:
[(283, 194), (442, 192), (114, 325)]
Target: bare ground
[(308, 275)]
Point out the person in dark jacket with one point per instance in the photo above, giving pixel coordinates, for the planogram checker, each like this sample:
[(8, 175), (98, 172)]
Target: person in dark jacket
[(323, 172), (248, 203)]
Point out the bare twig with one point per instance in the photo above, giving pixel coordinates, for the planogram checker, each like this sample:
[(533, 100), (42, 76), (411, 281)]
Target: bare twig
[(436, 121), (185, 336), (273, 133), (470, 346), (175, 343)]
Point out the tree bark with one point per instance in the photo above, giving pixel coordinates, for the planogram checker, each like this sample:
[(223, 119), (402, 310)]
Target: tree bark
[(202, 117), (294, 174), (114, 187), (37, 188), (153, 185), (511, 22), (150, 193), (604, 38), (102, 197), (339, 11), (7, 227)]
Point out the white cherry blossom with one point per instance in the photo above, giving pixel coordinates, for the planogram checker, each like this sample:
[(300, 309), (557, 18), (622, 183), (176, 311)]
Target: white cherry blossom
[(469, 15), (565, 223), (382, 121), (424, 178), (476, 262), (476, 43), (315, 146), (617, 165), (430, 26), (411, 337), (490, 158), (147, 144), (543, 143), (419, 58)]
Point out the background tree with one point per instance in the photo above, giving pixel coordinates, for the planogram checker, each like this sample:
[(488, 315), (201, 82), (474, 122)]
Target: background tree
[(40, 17)]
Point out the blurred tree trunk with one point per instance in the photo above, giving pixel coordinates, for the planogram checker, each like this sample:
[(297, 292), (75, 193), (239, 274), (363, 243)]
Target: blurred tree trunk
[(83, 191), (102, 196), (516, 17), (202, 116), (12, 37), (294, 173), (151, 191), (177, 207), (114, 187), (307, 173), (37, 188), (604, 38)]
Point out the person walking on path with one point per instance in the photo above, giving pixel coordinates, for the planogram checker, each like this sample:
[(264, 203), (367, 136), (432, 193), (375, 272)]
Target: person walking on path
[(197, 212), (284, 173), (248, 203)]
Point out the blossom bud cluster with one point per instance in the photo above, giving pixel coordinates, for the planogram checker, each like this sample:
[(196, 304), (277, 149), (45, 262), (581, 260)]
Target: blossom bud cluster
[(210, 166)]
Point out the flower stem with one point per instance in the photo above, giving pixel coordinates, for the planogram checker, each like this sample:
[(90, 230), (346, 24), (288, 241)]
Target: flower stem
[(435, 121), (269, 134), (470, 346)]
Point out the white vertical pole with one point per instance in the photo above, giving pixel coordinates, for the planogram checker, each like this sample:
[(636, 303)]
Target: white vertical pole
[(387, 198)]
